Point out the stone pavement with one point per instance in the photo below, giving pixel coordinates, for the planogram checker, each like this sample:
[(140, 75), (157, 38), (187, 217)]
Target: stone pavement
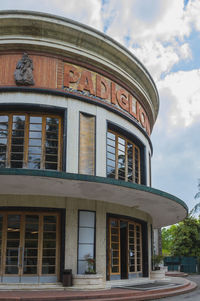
[(174, 286)]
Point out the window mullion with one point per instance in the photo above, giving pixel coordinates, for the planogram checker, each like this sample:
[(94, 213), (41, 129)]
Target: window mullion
[(26, 140), (43, 142), (126, 161), (10, 120), (116, 157), (59, 146), (133, 166)]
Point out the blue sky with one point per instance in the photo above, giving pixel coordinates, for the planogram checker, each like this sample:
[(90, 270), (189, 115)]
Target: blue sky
[(165, 36)]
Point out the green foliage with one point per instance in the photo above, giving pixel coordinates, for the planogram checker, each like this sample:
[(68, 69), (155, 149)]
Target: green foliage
[(182, 239)]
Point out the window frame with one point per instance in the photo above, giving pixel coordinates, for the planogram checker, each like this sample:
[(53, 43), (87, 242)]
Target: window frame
[(127, 140), (27, 115), (78, 238)]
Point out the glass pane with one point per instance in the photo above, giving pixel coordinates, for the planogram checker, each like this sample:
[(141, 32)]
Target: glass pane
[(48, 270), (30, 270), (111, 135), (85, 250), (50, 219), (35, 119), (86, 219), (49, 252), (53, 166), (86, 235), (11, 270)]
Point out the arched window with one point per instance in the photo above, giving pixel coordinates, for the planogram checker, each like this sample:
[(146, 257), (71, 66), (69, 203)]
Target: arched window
[(30, 140), (123, 158)]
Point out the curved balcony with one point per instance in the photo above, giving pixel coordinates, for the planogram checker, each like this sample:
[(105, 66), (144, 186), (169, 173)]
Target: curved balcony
[(165, 209)]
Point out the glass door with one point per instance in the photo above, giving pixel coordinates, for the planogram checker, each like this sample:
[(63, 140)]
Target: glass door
[(29, 247)]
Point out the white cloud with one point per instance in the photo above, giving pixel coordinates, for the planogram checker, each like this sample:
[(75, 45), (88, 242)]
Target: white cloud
[(184, 87)]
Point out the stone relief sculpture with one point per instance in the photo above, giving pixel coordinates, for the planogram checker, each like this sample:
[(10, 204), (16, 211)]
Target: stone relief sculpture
[(24, 71)]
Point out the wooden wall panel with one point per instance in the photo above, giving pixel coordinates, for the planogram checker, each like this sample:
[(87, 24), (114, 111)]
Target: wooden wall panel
[(7, 68)]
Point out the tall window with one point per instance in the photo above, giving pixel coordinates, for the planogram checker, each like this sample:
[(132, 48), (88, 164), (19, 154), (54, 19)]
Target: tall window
[(87, 144), (86, 242), (123, 158), (30, 141)]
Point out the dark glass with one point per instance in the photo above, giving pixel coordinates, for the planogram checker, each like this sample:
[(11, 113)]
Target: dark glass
[(49, 227), (51, 158), (31, 252), (13, 235), (12, 243), (11, 260), (30, 260), (31, 235), (49, 252), (33, 219), (114, 231), (114, 223), (48, 261), (115, 261), (50, 219), (11, 270), (115, 246), (115, 269), (30, 270), (132, 268), (51, 166), (49, 244), (31, 244), (115, 254), (14, 221), (15, 164), (115, 238), (48, 270), (12, 252), (49, 235)]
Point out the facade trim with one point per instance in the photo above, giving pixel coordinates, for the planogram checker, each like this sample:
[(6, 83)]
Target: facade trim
[(88, 178)]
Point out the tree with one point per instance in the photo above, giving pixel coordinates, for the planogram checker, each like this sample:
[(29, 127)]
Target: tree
[(167, 237), (183, 239), (197, 196)]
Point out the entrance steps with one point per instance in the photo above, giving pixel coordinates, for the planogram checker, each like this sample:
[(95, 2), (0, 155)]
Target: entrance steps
[(114, 294), (32, 286)]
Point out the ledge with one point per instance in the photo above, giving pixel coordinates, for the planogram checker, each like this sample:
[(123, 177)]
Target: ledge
[(42, 182)]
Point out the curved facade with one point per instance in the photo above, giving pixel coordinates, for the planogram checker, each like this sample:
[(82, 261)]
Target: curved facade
[(76, 114)]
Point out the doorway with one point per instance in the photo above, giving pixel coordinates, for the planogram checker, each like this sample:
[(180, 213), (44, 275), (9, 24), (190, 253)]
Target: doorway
[(29, 247), (124, 248)]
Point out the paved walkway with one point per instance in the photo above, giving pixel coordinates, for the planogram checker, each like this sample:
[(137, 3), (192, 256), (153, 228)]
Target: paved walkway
[(114, 294)]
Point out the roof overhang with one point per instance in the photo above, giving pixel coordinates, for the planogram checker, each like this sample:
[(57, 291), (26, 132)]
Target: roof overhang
[(165, 209)]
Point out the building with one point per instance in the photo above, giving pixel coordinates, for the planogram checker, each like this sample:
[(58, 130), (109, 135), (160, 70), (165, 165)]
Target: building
[(76, 113)]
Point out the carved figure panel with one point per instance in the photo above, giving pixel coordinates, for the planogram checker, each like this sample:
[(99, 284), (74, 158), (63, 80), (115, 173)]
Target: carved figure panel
[(24, 71)]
